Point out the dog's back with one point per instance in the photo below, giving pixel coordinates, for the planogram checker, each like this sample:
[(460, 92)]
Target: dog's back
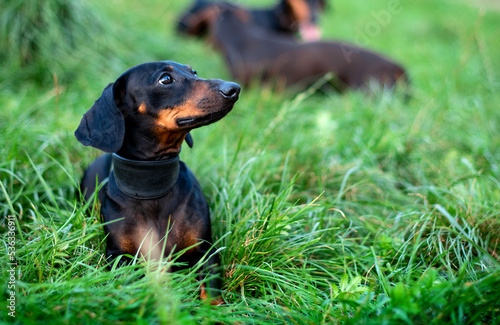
[(254, 53), (95, 174)]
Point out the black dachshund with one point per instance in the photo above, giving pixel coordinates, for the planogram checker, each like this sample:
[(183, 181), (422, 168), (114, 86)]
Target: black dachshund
[(152, 203)]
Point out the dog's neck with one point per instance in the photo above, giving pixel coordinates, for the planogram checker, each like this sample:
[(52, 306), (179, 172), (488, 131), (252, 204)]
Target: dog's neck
[(151, 146), (144, 180)]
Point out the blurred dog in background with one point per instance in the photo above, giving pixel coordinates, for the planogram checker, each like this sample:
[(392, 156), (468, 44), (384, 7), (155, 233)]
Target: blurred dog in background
[(257, 54), (287, 17)]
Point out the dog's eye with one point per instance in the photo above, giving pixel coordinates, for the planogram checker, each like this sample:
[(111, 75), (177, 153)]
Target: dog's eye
[(195, 73), (165, 80)]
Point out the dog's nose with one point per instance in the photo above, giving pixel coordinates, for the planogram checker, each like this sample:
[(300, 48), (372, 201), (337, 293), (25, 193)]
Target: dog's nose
[(230, 89)]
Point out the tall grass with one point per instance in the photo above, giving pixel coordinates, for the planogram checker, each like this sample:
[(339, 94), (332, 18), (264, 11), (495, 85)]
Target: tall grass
[(326, 208), (40, 38)]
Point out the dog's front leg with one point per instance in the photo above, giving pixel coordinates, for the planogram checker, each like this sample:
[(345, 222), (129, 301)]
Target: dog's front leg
[(211, 269)]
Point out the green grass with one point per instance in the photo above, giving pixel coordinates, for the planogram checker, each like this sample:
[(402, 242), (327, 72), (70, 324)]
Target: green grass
[(326, 208)]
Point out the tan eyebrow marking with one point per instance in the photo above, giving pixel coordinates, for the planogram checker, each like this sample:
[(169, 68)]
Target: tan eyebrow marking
[(142, 108)]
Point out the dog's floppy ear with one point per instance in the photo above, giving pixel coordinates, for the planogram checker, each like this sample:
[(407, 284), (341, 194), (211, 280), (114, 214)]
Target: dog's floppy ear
[(103, 126)]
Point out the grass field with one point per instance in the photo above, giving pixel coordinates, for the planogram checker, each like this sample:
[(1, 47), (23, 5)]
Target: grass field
[(326, 208)]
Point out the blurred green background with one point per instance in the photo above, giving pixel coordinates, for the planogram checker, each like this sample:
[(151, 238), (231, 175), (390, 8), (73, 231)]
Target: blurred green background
[(328, 208)]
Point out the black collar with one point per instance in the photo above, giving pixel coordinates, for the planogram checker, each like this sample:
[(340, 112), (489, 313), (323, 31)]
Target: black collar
[(145, 179)]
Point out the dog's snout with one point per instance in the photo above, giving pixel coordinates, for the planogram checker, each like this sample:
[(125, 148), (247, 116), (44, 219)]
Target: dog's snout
[(230, 89)]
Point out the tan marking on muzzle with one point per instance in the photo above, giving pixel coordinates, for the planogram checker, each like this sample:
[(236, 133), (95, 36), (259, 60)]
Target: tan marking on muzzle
[(300, 11), (167, 117)]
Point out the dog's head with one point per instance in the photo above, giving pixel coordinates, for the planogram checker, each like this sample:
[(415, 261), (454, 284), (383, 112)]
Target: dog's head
[(149, 110), (201, 17), (301, 16)]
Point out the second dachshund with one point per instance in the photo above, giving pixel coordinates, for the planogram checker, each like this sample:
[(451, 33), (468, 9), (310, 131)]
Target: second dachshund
[(255, 54)]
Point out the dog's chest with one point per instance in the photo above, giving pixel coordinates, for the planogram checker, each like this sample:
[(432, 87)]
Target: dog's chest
[(155, 227)]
